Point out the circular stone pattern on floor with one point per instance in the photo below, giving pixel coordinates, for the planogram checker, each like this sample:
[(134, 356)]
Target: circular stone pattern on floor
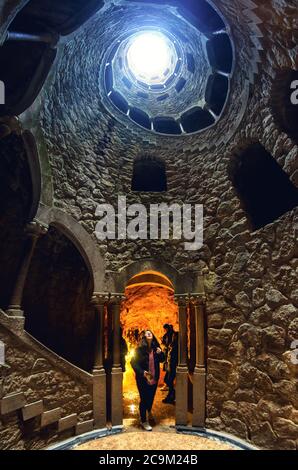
[(154, 441)]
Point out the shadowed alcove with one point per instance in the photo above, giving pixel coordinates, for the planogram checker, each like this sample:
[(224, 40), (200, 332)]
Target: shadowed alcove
[(15, 204), (265, 190), (149, 175), (57, 300)]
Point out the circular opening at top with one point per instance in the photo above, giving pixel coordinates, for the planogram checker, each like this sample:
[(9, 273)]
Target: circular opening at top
[(151, 57)]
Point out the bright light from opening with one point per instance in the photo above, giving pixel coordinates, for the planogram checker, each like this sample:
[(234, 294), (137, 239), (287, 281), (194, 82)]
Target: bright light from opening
[(150, 57)]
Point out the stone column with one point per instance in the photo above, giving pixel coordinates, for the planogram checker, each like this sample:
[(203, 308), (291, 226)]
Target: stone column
[(34, 230), (4, 370), (9, 125), (199, 376), (117, 374), (99, 376), (182, 370)]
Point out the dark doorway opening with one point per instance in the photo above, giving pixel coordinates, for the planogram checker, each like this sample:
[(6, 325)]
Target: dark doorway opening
[(149, 175), (265, 190)]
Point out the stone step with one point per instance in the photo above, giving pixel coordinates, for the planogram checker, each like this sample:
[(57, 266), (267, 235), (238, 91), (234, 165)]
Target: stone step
[(50, 417), (12, 402), (32, 410), (84, 426), (67, 422)]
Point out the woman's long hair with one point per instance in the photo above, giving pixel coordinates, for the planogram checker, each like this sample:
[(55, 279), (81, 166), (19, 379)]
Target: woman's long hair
[(144, 345)]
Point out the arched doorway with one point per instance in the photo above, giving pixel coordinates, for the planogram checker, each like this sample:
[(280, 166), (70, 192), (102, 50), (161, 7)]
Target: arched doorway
[(149, 304), (125, 303), (58, 313)]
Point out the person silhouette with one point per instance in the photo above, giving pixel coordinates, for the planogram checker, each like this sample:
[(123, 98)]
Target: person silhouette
[(146, 364)]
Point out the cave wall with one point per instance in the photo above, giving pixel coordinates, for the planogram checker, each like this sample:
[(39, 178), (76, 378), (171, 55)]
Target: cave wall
[(252, 276), (149, 307)]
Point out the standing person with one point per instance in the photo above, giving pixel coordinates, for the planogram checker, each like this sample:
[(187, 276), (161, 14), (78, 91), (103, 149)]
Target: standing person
[(166, 341), (146, 364), (136, 336), (172, 366), (123, 350)]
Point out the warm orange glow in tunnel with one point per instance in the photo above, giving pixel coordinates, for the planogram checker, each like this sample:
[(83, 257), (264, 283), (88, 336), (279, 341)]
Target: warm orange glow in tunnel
[(149, 304)]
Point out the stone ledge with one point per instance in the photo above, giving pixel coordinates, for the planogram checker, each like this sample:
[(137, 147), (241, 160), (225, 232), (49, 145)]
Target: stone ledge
[(85, 426), (217, 435), (12, 402), (68, 422), (50, 417), (32, 410), (68, 444)]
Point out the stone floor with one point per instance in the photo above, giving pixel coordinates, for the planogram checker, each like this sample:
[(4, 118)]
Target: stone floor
[(163, 436), (164, 414), (156, 440)]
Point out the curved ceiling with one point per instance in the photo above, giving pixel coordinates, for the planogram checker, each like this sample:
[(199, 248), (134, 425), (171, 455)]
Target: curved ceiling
[(40, 24), (31, 40), (34, 29)]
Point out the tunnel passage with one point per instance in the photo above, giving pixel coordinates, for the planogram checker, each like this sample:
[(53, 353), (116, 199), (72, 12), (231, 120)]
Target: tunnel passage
[(149, 304)]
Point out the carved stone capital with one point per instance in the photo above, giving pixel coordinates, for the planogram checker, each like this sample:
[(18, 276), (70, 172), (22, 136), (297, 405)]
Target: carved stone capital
[(182, 299), (197, 299), (100, 299), (9, 125), (116, 298), (36, 229), (200, 370)]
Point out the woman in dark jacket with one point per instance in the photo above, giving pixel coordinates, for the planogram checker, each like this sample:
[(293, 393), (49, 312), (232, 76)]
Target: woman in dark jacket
[(146, 364)]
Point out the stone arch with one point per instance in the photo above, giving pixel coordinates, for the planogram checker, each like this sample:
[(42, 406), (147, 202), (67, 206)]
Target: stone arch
[(10, 126), (8, 11), (182, 283), (37, 152), (80, 238), (154, 278), (35, 170), (59, 313), (37, 159)]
